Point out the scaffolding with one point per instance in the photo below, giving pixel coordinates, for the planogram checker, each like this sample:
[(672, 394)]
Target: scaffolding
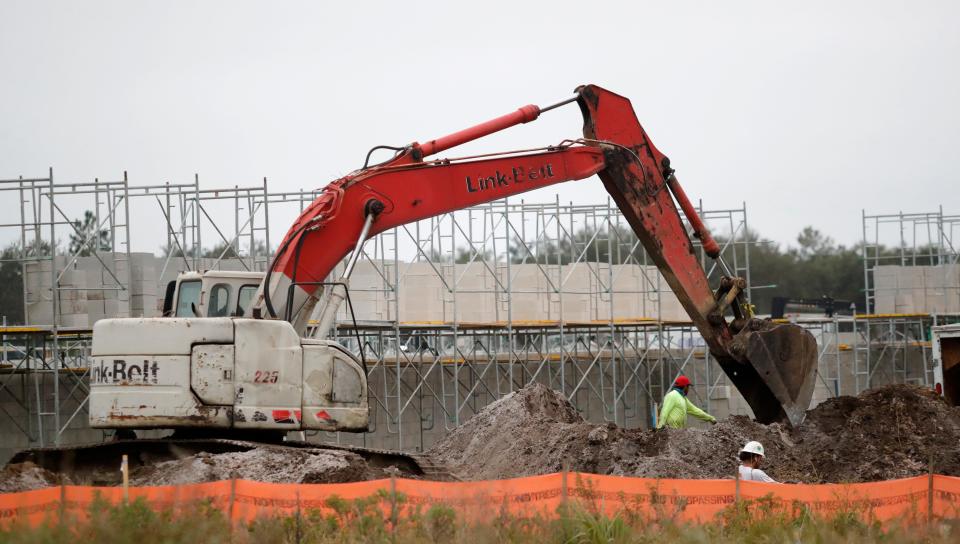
[(441, 375), (911, 270), (927, 243), (895, 345), (53, 360), (611, 342)]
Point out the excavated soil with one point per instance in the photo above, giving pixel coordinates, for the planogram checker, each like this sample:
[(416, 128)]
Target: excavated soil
[(882, 434), (26, 476), (274, 465)]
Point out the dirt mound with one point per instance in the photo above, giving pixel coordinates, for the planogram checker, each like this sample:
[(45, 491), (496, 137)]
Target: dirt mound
[(882, 434), (704, 453), (26, 476), (527, 432), (275, 465), (537, 431)]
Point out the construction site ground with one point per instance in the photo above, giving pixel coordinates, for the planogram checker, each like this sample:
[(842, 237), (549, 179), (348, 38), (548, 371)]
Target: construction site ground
[(886, 433)]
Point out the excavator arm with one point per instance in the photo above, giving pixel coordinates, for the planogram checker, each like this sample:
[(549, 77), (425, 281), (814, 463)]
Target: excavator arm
[(397, 194), (773, 366)]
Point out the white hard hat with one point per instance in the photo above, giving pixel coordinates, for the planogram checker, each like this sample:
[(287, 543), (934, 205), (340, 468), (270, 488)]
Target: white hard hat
[(753, 447)]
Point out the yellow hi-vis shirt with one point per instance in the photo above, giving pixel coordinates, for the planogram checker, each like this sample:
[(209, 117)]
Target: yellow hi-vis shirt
[(675, 409)]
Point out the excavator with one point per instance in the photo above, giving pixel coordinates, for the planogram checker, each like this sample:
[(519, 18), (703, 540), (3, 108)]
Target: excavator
[(229, 374)]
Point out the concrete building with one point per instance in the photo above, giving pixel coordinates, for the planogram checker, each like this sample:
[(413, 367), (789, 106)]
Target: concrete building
[(926, 289)]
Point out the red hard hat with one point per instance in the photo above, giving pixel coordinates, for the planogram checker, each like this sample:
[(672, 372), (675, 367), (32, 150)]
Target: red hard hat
[(682, 381)]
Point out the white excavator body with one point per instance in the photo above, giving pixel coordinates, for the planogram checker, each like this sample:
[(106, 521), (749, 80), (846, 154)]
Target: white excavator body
[(221, 372)]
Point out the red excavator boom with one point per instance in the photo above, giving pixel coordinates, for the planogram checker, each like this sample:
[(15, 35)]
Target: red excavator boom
[(773, 366)]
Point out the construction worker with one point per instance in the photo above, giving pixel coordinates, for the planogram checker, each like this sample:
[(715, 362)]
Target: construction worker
[(676, 406), (751, 456)]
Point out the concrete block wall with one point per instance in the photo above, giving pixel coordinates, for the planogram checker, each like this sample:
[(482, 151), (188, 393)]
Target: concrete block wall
[(474, 292), (478, 289), (88, 290), (421, 294), (368, 291), (425, 293), (530, 299), (917, 289)]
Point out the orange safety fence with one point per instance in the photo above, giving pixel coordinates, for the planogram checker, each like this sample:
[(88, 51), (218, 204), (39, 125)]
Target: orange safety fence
[(907, 500), (946, 497)]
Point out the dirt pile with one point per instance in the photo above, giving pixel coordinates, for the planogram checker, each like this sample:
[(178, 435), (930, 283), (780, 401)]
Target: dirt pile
[(26, 476), (267, 464), (882, 434), (537, 431), (703, 453), (531, 431)]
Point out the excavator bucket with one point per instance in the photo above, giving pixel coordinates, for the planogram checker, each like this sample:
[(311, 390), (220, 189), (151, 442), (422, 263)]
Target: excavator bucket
[(777, 372)]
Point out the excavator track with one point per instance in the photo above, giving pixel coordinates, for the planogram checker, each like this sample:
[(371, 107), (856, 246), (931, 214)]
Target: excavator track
[(422, 464), (99, 464)]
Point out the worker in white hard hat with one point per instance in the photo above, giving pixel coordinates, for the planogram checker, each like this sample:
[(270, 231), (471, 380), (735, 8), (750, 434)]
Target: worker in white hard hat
[(751, 456)]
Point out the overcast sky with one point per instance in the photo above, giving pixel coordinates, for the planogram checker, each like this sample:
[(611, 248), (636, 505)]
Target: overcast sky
[(809, 113)]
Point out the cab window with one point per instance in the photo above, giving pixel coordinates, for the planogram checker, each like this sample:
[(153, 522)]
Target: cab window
[(168, 298), (244, 297), (219, 305), (188, 295)]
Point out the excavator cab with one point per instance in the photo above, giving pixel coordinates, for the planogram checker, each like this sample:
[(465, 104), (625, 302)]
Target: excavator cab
[(213, 293)]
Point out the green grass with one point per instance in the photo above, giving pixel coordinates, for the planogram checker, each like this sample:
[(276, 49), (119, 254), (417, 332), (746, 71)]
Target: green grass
[(372, 520)]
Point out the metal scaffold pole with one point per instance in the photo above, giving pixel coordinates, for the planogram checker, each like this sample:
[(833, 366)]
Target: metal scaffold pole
[(55, 305)]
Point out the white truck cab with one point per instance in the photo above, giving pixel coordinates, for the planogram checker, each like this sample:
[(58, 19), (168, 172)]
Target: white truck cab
[(946, 361)]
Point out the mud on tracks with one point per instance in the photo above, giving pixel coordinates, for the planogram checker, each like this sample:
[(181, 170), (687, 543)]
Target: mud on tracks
[(274, 465), (187, 462), (27, 476)]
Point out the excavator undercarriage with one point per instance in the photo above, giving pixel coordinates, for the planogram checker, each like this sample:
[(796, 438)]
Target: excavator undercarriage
[(97, 464)]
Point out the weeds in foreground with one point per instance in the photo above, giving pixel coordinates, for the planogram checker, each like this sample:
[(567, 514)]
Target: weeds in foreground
[(394, 520)]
